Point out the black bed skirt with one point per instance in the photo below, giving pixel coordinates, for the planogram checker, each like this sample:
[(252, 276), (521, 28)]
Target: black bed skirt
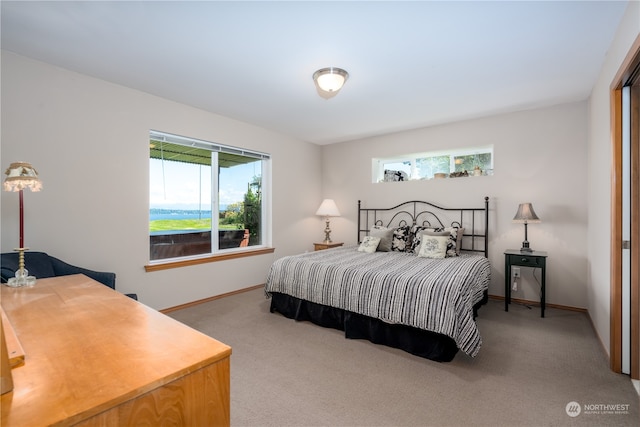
[(427, 344)]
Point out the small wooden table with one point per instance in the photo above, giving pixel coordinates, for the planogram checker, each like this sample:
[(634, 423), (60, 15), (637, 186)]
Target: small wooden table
[(96, 357), (321, 246)]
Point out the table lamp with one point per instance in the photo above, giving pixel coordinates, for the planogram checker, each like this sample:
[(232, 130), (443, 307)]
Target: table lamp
[(21, 175), (526, 215), (328, 209)]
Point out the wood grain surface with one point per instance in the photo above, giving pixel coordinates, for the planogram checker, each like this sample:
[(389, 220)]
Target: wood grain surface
[(96, 357)]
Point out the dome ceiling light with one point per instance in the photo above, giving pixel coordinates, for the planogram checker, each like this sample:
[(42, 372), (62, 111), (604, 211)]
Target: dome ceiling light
[(330, 79)]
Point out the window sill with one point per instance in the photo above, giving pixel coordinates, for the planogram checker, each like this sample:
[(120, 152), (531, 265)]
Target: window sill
[(203, 260)]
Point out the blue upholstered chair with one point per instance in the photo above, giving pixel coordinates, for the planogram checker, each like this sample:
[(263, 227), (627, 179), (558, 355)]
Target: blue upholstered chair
[(42, 265)]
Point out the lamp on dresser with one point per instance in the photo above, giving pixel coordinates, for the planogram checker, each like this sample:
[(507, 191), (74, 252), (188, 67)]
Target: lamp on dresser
[(21, 175)]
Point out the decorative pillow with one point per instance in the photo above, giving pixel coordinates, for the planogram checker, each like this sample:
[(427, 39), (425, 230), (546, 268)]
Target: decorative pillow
[(401, 242), (386, 237), (460, 234), (426, 233), (453, 248), (433, 246), (369, 244), (414, 239)]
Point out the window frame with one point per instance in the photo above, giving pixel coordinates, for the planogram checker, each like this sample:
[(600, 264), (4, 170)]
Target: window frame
[(217, 254), (378, 163)]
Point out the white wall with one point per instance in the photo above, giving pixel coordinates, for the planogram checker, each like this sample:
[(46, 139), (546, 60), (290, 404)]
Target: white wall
[(88, 139), (540, 157), (599, 164)]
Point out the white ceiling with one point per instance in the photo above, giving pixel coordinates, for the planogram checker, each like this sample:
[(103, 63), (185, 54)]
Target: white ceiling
[(411, 64)]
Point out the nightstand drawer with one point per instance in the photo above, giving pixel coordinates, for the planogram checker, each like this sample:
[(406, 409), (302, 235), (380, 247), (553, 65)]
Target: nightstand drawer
[(527, 261)]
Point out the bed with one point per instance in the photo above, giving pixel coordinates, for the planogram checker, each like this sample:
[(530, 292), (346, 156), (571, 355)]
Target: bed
[(414, 281)]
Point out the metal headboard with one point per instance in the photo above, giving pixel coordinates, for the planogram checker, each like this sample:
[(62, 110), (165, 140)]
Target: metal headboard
[(474, 220)]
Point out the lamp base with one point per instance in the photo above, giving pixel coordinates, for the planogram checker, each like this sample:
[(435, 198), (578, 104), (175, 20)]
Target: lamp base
[(525, 247), (327, 233), (22, 277)]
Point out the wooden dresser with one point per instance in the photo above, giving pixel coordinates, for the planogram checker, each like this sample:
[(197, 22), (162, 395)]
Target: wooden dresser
[(96, 357)]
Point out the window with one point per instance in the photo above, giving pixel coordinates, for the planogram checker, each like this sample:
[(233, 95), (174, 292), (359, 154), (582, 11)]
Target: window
[(422, 166), (205, 198)]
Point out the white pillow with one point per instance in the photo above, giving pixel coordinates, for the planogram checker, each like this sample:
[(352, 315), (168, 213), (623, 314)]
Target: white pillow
[(433, 246), (369, 244), (428, 232)]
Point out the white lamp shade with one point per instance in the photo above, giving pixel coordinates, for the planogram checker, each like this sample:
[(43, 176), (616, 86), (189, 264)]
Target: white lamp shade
[(330, 82), (328, 208), (330, 79)]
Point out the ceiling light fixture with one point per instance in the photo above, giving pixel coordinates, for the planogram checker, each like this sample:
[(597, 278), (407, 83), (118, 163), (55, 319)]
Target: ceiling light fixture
[(330, 79)]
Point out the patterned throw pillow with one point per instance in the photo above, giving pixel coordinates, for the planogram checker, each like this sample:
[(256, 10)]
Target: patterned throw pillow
[(416, 237), (426, 233), (453, 245), (401, 242), (386, 237), (455, 241), (414, 240), (433, 246), (369, 244)]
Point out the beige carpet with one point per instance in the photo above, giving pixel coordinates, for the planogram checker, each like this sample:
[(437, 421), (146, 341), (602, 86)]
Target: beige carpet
[(287, 373)]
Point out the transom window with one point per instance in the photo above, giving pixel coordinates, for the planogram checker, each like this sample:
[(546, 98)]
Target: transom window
[(438, 164), (205, 198)]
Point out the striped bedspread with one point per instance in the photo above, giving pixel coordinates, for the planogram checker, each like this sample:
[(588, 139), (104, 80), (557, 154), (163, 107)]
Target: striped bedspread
[(433, 294)]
